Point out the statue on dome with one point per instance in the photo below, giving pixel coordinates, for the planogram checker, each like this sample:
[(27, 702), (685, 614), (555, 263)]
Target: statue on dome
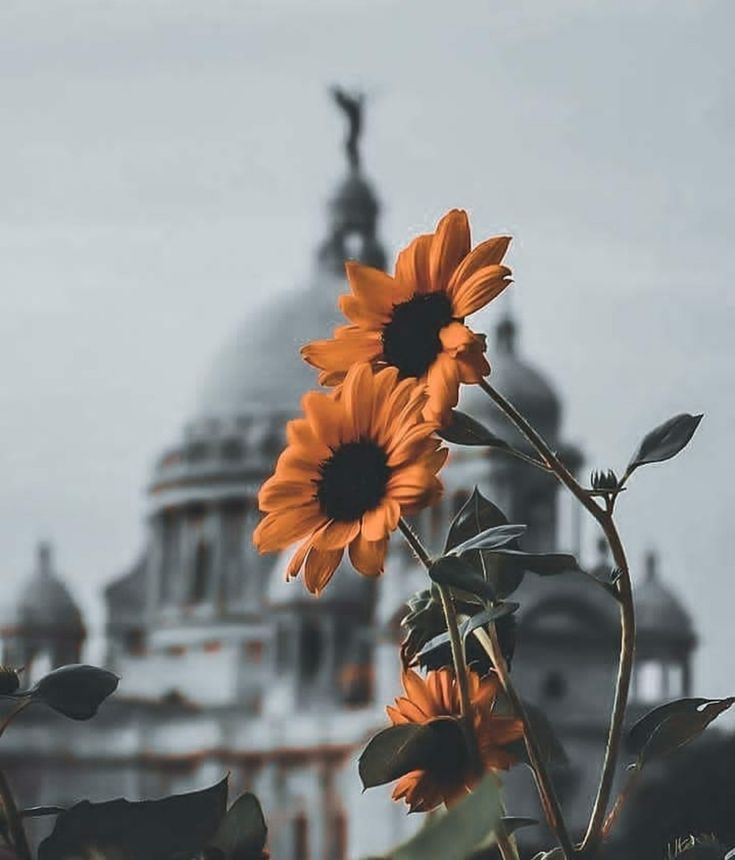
[(352, 106)]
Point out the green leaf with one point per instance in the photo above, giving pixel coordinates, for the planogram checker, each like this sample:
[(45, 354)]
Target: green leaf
[(464, 430), (76, 691), (243, 831), (179, 826), (459, 573), (673, 725), (541, 563), (500, 610), (665, 441), (456, 833), (494, 537), (512, 823), (552, 751), (397, 750), (476, 515)]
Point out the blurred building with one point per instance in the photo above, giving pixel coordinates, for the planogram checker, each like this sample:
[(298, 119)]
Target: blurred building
[(227, 667)]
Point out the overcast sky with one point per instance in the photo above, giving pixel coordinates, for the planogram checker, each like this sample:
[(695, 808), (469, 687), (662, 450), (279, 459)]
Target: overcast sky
[(164, 167)]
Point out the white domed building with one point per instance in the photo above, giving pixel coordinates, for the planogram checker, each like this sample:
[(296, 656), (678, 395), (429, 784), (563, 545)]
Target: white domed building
[(227, 667)]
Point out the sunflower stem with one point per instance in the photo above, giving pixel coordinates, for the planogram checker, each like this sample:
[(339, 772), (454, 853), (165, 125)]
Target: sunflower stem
[(455, 640), (16, 830), (624, 593), (549, 801), (21, 706)]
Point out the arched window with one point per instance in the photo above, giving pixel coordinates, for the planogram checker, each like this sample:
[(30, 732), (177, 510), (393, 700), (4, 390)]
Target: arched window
[(649, 682), (202, 566)]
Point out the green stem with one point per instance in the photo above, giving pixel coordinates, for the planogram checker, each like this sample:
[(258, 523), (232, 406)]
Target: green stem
[(593, 836), (549, 801), (15, 825), (455, 640)]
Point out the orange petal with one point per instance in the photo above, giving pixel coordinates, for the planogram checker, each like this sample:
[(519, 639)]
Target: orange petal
[(336, 535), (488, 253), (319, 568), (443, 386), (416, 691), (340, 353), (482, 287), (373, 288), (357, 395), (326, 417), (409, 444), (450, 246), (277, 493), (472, 365), (278, 530), (301, 436), (409, 486), (361, 314), (368, 556), (412, 265), (456, 337), (375, 524), (297, 559)]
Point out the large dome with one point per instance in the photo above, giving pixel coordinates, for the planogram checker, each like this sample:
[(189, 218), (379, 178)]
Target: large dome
[(44, 602), (260, 369), (658, 610)]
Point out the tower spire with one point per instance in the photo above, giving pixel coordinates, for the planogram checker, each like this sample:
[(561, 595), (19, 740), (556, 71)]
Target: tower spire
[(351, 105)]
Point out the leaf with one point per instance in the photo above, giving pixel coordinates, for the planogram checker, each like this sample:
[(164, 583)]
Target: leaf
[(492, 614), (454, 835), (397, 750), (515, 822), (243, 831), (464, 430), (665, 441), (495, 536), (673, 725), (174, 827), (76, 691), (541, 563), (476, 515), (458, 573)]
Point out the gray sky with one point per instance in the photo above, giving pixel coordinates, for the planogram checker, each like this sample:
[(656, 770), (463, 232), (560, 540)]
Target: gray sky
[(164, 165)]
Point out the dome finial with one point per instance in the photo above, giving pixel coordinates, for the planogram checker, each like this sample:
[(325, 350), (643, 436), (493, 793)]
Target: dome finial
[(351, 105), (651, 566), (44, 554)]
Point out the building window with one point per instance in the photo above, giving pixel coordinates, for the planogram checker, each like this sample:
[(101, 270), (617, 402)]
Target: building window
[(202, 565), (310, 650), (649, 682)]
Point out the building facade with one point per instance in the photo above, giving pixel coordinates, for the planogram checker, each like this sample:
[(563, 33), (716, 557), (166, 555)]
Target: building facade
[(228, 667)]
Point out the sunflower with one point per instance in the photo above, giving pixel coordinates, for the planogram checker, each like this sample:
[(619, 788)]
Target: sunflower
[(414, 320), (453, 774), (362, 457)]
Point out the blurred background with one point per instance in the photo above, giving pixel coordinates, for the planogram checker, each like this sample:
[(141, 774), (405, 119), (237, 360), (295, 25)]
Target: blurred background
[(175, 209)]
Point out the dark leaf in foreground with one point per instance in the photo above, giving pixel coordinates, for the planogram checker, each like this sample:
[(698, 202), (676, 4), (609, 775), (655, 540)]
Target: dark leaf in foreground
[(243, 831), (552, 751), (464, 430), (512, 823), (174, 827), (665, 441), (492, 538), (476, 515), (76, 691), (454, 835), (397, 750), (673, 725), (541, 563), (456, 572)]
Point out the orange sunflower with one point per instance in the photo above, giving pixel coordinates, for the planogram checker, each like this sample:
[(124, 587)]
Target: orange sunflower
[(414, 320), (360, 458), (453, 776)]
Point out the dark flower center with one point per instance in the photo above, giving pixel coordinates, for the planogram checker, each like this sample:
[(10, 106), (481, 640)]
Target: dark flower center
[(411, 339), (352, 481)]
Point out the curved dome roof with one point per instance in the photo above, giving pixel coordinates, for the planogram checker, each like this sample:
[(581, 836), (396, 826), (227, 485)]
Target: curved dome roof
[(43, 600), (658, 610), (260, 369), (523, 385)]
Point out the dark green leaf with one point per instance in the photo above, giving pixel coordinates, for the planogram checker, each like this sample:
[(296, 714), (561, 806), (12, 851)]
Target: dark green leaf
[(476, 515), (76, 691), (464, 430), (512, 823), (492, 614), (457, 572), (541, 563), (398, 750), (168, 829), (495, 536), (439, 641), (243, 831), (673, 725), (454, 835), (665, 441)]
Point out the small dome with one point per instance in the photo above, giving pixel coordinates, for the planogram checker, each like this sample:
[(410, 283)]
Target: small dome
[(658, 610), (347, 589), (44, 601), (520, 383)]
